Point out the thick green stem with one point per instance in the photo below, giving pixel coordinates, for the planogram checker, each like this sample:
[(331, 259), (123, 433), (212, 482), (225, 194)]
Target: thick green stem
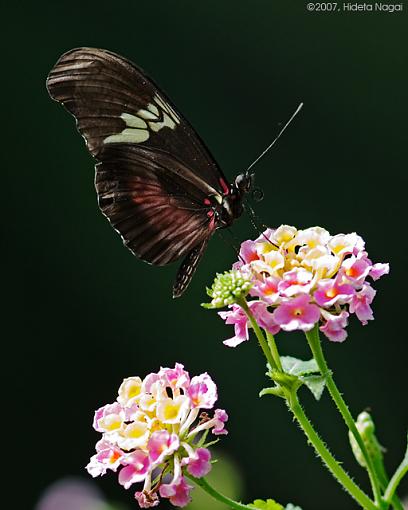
[(327, 457), (202, 482), (257, 330), (316, 348)]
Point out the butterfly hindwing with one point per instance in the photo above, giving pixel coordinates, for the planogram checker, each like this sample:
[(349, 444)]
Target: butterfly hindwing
[(188, 268), (159, 215)]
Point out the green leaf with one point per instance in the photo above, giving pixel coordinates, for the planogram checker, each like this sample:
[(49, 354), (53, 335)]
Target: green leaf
[(307, 371), (268, 504), (289, 506), (275, 390), (299, 367), (315, 383)]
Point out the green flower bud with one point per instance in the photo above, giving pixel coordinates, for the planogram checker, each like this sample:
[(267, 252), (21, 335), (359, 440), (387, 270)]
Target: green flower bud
[(227, 289), (366, 428)]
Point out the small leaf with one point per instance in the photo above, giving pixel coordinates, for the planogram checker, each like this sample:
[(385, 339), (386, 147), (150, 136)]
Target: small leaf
[(210, 443), (299, 367), (289, 506), (275, 390), (315, 383), (207, 306), (269, 504)]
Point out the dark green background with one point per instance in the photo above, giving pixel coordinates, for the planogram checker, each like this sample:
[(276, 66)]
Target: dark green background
[(81, 313)]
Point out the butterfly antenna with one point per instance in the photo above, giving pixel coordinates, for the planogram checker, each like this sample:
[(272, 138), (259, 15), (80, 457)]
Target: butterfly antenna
[(275, 140)]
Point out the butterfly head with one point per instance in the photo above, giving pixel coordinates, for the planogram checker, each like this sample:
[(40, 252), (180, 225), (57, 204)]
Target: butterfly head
[(243, 183), (231, 206)]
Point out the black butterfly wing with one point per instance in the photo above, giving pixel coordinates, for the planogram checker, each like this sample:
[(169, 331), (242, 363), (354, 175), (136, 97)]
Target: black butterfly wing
[(154, 174), (158, 212)]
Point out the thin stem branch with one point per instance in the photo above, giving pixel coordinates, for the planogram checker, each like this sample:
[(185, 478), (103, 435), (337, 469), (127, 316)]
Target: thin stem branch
[(202, 482), (257, 330), (274, 350), (327, 457), (316, 348), (384, 480), (396, 478)]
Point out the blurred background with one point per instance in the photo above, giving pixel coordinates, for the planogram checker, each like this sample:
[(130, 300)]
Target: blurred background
[(81, 313)]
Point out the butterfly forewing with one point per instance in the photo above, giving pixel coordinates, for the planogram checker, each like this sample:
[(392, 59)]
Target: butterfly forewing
[(153, 174), (113, 101)]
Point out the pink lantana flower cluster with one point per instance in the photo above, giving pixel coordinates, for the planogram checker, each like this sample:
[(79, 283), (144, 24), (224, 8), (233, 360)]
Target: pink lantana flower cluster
[(303, 277), (156, 431)]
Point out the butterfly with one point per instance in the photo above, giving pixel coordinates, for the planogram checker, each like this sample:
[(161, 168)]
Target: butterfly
[(155, 180)]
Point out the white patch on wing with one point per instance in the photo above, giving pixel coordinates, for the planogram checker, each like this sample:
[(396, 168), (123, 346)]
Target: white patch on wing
[(138, 126), (153, 109), (129, 136), (147, 115), (134, 122), (167, 108)]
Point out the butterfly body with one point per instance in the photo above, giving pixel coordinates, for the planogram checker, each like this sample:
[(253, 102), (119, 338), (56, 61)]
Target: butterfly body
[(155, 180)]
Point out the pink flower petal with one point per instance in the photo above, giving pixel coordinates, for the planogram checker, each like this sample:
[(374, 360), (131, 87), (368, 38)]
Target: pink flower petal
[(267, 290), (332, 291), (202, 391), (178, 494), (334, 326), (297, 313), (201, 465), (161, 444), (237, 317), (135, 470), (379, 270), (220, 418), (354, 270), (175, 377), (296, 281), (263, 317), (360, 304)]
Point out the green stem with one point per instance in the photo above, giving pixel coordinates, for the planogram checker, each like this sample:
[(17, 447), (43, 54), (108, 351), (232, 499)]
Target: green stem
[(274, 350), (257, 330), (383, 479), (319, 446), (202, 482), (316, 348), (395, 480), (327, 457)]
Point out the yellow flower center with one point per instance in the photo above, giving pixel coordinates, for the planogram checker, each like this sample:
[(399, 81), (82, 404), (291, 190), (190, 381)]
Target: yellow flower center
[(331, 293), (133, 391), (171, 412)]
